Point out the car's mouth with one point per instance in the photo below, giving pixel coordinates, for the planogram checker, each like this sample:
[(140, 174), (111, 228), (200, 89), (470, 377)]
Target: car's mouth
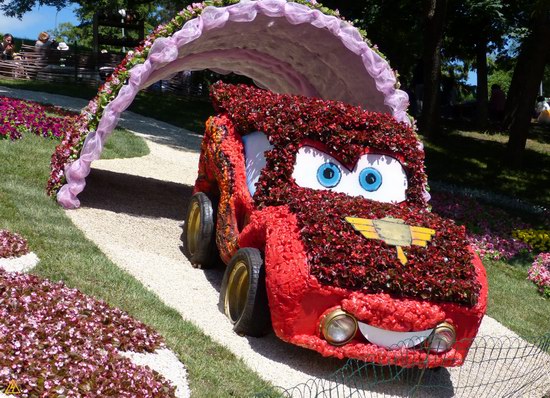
[(393, 340)]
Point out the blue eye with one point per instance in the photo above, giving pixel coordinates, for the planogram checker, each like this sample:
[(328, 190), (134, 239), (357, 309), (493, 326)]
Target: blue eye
[(370, 179), (328, 175)]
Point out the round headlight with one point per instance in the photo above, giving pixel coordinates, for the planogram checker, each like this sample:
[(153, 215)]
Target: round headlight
[(443, 338), (338, 327)]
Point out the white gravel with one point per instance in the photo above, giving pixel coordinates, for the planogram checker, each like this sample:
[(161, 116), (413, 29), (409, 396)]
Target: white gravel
[(19, 264), (133, 210)]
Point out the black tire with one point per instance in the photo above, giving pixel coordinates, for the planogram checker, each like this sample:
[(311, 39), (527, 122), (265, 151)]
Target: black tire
[(243, 296), (199, 232)]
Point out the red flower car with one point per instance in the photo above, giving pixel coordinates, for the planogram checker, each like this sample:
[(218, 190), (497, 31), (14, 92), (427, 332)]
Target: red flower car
[(319, 209)]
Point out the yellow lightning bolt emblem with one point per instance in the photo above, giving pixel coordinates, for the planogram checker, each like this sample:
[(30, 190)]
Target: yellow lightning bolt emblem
[(393, 231)]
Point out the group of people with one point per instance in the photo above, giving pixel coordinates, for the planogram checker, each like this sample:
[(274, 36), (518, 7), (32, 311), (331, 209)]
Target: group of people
[(45, 42), (7, 47)]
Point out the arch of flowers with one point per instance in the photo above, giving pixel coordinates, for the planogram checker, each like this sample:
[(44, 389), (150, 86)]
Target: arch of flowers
[(297, 47)]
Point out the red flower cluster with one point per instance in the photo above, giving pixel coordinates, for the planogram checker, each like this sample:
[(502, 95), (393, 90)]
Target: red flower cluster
[(338, 256)]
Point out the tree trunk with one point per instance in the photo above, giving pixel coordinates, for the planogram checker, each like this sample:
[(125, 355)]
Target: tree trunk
[(482, 94), (524, 88), (433, 39)]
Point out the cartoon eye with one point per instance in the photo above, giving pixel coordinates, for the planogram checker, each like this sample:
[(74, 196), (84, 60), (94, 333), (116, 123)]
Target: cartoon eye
[(375, 176), (370, 179), (328, 175)]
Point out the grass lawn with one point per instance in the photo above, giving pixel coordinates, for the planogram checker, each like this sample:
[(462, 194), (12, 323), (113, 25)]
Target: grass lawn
[(67, 255)]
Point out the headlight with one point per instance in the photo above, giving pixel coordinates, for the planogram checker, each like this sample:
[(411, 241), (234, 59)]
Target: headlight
[(443, 338), (338, 327)]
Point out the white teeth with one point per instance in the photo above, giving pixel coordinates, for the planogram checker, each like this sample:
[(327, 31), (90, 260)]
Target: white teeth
[(393, 340)]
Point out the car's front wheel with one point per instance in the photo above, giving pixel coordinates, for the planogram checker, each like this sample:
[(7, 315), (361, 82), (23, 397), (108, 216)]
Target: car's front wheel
[(198, 236), (243, 296)]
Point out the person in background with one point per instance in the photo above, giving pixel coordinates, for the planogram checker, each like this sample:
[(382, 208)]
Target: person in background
[(542, 110), (44, 41), (497, 102), (541, 105), (7, 47)]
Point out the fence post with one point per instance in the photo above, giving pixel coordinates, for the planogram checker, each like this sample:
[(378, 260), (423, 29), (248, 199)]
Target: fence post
[(75, 55)]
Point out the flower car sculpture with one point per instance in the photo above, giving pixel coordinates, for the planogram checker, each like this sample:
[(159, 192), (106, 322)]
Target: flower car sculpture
[(319, 210)]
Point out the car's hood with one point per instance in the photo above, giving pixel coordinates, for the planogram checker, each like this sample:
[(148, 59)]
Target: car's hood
[(374, 247)]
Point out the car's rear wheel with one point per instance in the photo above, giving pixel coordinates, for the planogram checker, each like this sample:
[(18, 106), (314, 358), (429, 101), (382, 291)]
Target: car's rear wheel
[(198, 238), (243, 296)]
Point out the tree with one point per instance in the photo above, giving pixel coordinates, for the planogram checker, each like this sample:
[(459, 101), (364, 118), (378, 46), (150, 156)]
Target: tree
[(529, 71), (435, 13)]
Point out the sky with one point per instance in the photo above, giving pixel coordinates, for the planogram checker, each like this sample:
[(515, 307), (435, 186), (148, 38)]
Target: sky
[(38, 20)]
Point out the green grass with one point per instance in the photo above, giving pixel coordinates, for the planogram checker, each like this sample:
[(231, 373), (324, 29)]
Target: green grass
[(514, 300), (67, 255), (124, 144)]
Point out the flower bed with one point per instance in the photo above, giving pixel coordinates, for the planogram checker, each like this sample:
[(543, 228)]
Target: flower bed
[(539, 273), (12, 244), (489, 229), (538, 239), (58, 341), (18, 117)]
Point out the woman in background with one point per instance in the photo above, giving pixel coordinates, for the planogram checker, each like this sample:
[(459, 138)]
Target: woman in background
[(7, 48)]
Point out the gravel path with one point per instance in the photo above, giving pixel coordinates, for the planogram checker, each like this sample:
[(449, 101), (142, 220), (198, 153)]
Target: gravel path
[(133, 210)]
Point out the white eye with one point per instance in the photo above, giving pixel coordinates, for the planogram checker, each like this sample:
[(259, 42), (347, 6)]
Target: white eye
[(376, 177)]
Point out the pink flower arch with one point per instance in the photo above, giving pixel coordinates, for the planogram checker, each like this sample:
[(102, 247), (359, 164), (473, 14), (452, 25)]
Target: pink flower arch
[(286, 47)]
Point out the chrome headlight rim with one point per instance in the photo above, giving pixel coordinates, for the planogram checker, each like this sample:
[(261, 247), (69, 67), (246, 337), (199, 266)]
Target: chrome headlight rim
[(333, 316), (439, 330)]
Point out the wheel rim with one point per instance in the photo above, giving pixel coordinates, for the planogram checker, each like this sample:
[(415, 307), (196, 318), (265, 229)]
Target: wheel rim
[(237, 292), (193, 227)]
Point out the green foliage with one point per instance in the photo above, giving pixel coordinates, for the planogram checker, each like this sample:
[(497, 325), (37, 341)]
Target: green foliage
[(501, 77)]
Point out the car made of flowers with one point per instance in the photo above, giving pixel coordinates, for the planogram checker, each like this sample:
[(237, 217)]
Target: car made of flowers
[(319, 209)]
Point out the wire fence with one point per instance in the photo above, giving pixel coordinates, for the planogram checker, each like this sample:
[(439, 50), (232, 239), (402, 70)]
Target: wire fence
[(496, 367)]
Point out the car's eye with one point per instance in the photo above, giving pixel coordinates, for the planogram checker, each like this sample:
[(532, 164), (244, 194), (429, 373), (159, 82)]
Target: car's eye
[(370, 179), (375, 176), (329, 175)]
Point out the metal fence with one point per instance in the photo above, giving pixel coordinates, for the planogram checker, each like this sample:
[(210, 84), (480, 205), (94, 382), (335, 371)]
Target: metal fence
[(496, 367)]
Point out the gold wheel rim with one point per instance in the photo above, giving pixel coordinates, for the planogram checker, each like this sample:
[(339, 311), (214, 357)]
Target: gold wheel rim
[(193, 227), (237, 292)]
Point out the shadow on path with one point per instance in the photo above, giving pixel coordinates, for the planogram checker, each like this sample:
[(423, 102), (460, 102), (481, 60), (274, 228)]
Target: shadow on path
[(118, 192)]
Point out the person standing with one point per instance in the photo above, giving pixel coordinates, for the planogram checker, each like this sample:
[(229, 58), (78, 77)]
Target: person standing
[(7, 47), (497, 103)]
